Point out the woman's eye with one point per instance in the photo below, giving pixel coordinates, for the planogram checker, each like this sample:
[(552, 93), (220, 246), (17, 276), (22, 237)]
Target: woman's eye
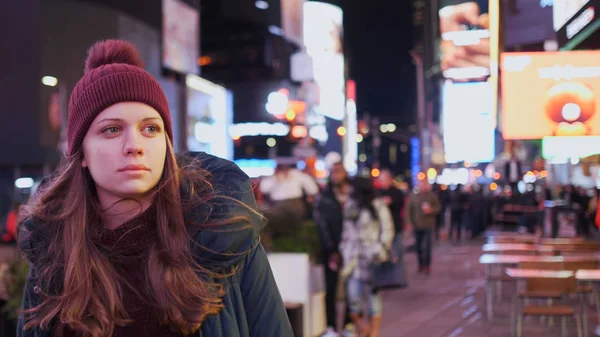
[(152, 129), (111, 130)]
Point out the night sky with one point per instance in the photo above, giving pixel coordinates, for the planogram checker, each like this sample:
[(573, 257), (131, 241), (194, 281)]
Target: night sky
[(378, 39)]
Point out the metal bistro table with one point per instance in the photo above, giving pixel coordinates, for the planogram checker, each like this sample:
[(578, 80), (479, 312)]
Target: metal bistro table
[(521, 275), (587, 276), (504, 237), (490, 261), (516, 247)]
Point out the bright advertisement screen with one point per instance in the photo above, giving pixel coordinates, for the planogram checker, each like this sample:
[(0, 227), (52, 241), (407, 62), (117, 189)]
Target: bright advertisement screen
[(323, 28), (465, 43), (323, 38), (550, 94), (570, 147), (209, 116), (181, 37), (468, 122), (564, 10)]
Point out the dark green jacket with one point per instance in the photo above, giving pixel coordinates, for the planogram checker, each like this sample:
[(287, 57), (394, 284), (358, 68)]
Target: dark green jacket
[(253, 305), (415, 215)]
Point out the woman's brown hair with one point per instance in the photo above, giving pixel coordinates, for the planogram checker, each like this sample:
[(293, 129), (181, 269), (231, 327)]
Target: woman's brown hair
[(89, 300)]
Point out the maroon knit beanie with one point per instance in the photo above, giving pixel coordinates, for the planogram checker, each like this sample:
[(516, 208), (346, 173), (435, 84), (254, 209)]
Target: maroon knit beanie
[(113, 73)]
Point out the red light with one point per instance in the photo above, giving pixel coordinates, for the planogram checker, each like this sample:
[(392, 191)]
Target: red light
[(351, 90)]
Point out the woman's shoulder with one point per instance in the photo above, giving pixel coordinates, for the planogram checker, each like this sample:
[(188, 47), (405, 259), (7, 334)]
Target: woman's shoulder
[(223, 172), (228, 183), (234, 222)]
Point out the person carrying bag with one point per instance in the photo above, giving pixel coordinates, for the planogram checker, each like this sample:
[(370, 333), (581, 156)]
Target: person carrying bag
[(366, 241)]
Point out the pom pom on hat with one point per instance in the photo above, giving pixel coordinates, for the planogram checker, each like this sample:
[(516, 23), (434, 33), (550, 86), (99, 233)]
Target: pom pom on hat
[(112, 51)]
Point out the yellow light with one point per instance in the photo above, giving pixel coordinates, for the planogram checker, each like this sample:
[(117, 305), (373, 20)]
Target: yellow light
[(299, 131), (321, 174), (341, 131), (497, 175), (529, 173), (375, 172), (493, 186), (235, 137), (543, 174), (421, 176), (431, 173), (290, 115), (478, 173)]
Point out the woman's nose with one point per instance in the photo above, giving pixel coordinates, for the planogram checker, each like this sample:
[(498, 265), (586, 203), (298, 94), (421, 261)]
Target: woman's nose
[(133, 144)]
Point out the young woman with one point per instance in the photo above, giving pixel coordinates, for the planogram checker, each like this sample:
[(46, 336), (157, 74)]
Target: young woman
[(125, 240), (367, 239)]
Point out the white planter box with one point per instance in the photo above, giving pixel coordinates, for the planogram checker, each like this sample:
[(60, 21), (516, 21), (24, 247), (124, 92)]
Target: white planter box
[(301, 282)]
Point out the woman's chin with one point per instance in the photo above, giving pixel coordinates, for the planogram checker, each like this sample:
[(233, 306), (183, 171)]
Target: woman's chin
[(133, 189)]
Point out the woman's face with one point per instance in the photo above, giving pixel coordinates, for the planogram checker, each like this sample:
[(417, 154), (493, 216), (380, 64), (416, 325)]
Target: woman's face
[(125, 151)]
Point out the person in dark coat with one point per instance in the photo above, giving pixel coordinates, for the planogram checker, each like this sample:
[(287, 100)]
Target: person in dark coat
[(458, 204), (513, 172), (395, 200), (128, 240), (328, 214)]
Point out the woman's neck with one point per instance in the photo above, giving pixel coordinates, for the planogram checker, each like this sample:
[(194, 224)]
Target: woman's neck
[(116, 212)]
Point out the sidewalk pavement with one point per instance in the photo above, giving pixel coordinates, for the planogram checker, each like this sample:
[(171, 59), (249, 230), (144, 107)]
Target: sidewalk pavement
[(450, 301)]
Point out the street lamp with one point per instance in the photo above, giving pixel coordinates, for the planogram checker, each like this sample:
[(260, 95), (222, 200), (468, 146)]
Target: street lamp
[(260, 4), (50, 81)]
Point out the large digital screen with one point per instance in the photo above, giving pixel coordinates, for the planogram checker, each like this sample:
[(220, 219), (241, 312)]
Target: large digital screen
[(181, 34), (323, 38), (570, 147), (550, 94), (564, 10), (209, 116), (465, 43), (576, 20), (468, 122)]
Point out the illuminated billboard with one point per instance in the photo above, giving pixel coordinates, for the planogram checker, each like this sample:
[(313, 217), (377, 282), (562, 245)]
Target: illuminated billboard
[(465, 44), (209, 115), (468, 122), (323, 38), (574, 21), (181, 36), (570, 147), (550, 94), (564, 10)]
